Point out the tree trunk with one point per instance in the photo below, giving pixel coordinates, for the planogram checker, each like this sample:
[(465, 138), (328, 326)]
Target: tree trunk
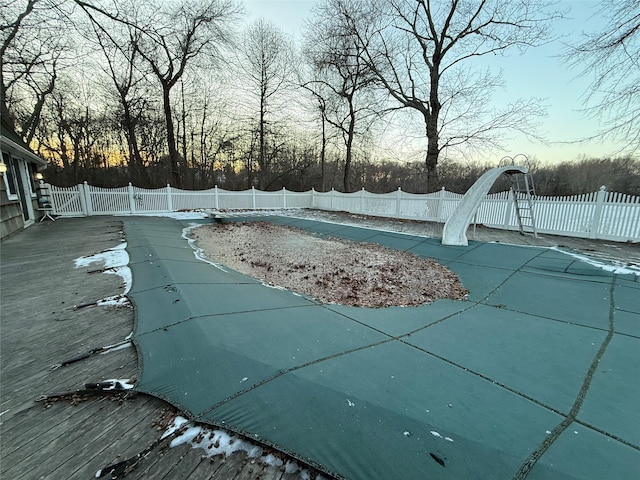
[(347, 165), (184, 135), (431, 121), (323, 149), (431, 160), (29, 130), (174, 156), (135, 160), (261, 154), (349, 144)]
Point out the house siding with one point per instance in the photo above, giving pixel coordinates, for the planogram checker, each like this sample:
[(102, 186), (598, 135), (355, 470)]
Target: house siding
[(11, 220), (21, 166)]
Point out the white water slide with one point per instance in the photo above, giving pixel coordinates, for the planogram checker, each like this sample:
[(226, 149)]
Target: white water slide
[(455, 230)]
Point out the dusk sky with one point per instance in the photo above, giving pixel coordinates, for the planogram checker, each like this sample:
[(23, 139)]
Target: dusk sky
[(537, 73)]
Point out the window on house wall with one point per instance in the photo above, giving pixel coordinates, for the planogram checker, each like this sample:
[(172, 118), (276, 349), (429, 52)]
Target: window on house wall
[(10, 177)]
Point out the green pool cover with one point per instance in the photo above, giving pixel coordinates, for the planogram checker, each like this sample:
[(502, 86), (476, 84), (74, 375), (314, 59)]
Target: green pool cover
[(535, 376)]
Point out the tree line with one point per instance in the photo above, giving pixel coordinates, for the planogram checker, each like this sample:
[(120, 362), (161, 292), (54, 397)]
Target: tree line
[(180, 92), (586, 175)]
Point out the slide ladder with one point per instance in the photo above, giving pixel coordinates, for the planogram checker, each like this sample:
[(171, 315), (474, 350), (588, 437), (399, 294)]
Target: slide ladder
[(523, 192)]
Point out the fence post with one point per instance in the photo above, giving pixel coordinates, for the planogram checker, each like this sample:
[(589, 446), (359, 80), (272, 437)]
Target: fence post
[(132, 201), (331, 199), (215, 196), (86, 193), (398, 200), (362, 200), (83, 203), (440, 211), (253, 197), (313, 197), (284, 197), (169, 199), (594, 231)]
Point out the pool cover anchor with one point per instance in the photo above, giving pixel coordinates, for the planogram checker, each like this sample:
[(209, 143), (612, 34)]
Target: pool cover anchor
[(87, 354), (217, 218), (122, 469), (109, 387)]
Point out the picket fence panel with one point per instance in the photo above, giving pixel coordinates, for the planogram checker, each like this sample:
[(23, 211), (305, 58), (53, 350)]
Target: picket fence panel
[(604, 215)]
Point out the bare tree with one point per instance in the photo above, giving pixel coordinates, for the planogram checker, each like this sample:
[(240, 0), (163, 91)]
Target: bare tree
[(320, 96), (183, 33), (422, 52), (203, 132), (30, 50), (341, 71), (118, 45), (612, 58), (266, 63), (12, 21), (172, 37), (72, 133)]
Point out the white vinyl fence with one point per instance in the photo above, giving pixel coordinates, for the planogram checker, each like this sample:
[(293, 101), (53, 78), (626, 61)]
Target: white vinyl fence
[(602, 214)]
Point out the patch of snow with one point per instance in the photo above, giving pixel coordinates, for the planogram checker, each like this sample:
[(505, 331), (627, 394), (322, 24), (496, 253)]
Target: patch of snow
[(272, 460), (177, 423), (613, 267), (117, 346), (125, 273), (188, 436), (112, 257), (126, 384), (115, 261), (218, 442), (275, 287), (197, 251), (190, 215), (116, 300), (436, 434), (291, 467), (350, 403)]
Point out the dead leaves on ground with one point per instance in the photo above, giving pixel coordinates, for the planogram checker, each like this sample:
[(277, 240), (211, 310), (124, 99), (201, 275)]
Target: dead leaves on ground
[(329, 269)]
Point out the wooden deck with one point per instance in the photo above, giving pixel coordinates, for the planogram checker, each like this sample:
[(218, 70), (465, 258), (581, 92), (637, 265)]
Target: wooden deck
[(40, 327)]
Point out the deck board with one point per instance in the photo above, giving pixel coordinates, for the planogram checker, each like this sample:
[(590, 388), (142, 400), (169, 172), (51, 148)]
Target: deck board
[(101, 442)]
